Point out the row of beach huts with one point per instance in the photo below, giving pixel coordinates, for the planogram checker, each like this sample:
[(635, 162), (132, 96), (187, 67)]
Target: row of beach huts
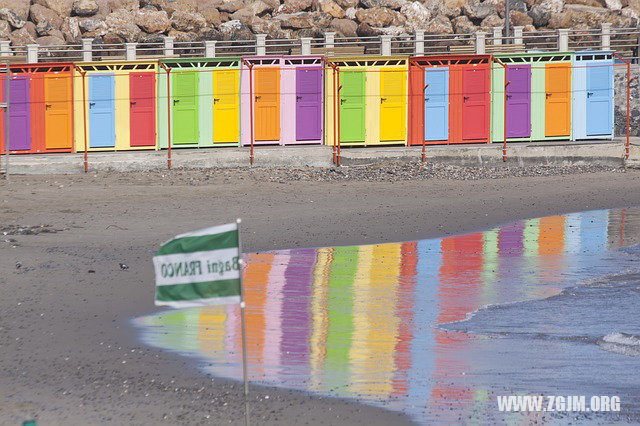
[(401, 100)]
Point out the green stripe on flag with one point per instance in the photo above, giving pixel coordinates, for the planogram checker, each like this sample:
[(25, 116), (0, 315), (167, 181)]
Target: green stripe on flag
[(183, 245), (195, 291)]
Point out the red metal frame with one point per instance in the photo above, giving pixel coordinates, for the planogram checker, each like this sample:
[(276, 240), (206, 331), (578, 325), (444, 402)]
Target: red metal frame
[(456, 63), (36, 73)]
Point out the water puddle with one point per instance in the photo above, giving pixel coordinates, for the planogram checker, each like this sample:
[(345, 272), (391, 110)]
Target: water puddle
[(434, 328)]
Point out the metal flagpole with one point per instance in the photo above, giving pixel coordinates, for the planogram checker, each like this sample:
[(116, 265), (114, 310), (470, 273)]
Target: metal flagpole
[(7, 144), (244, 334)]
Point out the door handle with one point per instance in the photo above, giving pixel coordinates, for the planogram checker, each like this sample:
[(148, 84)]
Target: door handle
[(91, 104), (258, 97), (298, 98), (509, 96), (464, 98), (47, 106), (382, 100), (132, 103), (175, 101), (589, 94), (546, 95), (342, 101), (426, 99), (216, 100)]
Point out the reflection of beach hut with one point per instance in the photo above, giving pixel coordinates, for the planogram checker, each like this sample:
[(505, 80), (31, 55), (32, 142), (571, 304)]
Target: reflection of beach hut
[(538, 96), (121, 105), (40, 108), (205, 102), (287, 100), (593, 95), (373, 104), (449, 99)]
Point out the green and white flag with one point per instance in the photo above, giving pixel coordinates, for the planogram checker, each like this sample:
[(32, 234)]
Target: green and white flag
[(199, 268)]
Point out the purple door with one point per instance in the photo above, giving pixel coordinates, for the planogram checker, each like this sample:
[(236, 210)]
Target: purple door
[(519, 101), (19, 113), (308, 104)]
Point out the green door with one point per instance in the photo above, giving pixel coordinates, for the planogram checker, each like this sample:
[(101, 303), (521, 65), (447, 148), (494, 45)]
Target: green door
[(352, 110), (185, 107)]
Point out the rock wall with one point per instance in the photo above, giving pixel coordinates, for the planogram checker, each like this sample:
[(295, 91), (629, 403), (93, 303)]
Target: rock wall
[(620, 104), (50, 22)]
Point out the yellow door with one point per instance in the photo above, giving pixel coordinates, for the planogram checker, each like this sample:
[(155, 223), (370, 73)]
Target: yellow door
[(558, 100), (57, 112), (226, 106), (267, 104), (393, 103)]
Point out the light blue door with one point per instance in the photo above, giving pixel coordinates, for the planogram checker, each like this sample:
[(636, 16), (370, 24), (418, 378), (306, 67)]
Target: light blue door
[(436, 104), (599, 99), (102, 123)]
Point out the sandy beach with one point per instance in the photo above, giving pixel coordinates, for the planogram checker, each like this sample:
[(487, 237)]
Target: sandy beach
[(69, 352)]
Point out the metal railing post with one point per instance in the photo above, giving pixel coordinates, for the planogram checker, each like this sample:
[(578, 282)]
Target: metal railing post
[(563, 40), (605, 36), (305, 45), (385, 45), (87, 49), (481, 42), (130, 51), (168, 46), (329, 40), (497, 36), (5, 48), (210, 48), (517, 35), (419, 48), (261, 44), (32, 53)]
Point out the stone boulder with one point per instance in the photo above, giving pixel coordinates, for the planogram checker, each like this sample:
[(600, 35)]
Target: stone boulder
[(187, 21), (476, 10), (21, 37), (295, 21), (346, 4), (520, 19), (332, 8), (613, 4), (345, 27), (39, 13), (417, 15), (271, 27), (88, 25), (61, 7), (70, 29), (439, 25), (19, 7), (244, 15), (463, 25), (12, 18), (294, 6), (182, 36), (389, 4), (260, 7), (365, 30), (578, 16), (235, 30), (43, 28), (5, 30), (492, 21), (231, 6), (152, 21), (85, 7), (50, 40), (542, 12), (121, 26), (376, 16)]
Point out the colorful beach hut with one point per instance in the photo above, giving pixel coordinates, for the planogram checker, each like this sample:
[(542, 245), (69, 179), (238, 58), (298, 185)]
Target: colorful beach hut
[(120, 101), (538, 96), (449, 99), (593, 95), (40, 108), (373, 100), (287, 100), (204, 102)]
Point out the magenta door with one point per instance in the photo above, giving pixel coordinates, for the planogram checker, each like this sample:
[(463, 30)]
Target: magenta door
[(308, 104), (19, 113), (519, 101)]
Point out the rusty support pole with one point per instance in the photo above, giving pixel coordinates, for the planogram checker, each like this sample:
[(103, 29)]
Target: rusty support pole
[(168, 71)]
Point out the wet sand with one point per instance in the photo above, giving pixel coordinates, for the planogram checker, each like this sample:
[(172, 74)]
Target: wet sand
[(69, 352)]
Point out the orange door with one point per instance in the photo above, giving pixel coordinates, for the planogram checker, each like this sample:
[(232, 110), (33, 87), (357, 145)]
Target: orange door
[(267, 104), (57, 111), (558, 100)]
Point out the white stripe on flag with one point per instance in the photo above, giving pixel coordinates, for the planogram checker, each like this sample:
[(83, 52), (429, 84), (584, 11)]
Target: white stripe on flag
[(199, 302), (212, 257)]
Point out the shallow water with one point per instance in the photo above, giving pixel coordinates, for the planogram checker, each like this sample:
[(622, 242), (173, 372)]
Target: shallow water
[(436, 328)]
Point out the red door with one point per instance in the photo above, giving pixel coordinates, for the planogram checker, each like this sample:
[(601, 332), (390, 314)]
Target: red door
[(142, 87), (475, 111)]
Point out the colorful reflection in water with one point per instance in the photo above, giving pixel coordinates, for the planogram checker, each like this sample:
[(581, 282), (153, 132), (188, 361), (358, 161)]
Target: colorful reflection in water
[(367, 322)]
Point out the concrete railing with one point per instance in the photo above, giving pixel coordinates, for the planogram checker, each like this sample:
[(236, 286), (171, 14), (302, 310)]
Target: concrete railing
[(623, 40)]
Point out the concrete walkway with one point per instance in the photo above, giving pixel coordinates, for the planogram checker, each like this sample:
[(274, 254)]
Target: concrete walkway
[(552, 152)]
